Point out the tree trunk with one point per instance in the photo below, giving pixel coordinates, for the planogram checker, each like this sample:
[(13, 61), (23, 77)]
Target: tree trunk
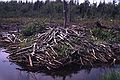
[(69, 12), (65, 12)]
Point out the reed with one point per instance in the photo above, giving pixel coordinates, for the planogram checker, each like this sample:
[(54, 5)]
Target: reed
[(111, 76)]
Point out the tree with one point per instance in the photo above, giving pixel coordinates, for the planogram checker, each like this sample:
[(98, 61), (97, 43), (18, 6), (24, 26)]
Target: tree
[(56, 8), (65, 12)]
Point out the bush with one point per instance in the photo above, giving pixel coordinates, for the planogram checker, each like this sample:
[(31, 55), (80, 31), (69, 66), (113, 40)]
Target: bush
[(32, 29)]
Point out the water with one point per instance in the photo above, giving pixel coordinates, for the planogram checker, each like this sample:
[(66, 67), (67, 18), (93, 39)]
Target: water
[(9, 71)]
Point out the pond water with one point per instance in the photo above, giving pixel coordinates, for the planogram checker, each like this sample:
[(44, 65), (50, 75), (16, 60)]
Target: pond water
[(9, 71)]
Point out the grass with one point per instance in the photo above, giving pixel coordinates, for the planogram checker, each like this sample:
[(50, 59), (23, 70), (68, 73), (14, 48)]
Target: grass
[(111, 76), (27, 20), (105, 35)]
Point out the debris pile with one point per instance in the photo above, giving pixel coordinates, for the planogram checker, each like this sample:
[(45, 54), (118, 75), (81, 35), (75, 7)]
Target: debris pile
[(59, 46)]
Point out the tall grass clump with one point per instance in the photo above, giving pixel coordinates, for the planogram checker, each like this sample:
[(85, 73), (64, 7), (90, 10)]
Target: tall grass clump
[(111, 76), (107, 35)]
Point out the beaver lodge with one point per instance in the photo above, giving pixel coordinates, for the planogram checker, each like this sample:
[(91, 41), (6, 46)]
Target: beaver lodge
[(53, 47)]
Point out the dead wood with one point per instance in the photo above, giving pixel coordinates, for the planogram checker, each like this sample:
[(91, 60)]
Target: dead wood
[(59, 46)]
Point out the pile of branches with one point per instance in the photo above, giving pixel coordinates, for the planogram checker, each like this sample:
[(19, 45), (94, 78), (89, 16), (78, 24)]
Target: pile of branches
[(58, 46)]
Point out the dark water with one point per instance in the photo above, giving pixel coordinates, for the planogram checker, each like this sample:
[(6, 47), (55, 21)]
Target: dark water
[(9, 71)]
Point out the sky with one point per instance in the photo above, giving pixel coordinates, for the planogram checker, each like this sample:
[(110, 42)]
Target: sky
[(91, 1)]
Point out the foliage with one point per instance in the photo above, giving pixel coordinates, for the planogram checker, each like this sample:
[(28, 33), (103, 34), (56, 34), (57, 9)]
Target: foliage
[(62, 49), (32, 29), (54, 9)]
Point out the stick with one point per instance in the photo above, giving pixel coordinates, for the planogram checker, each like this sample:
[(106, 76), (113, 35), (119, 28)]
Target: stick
[(30, 61)]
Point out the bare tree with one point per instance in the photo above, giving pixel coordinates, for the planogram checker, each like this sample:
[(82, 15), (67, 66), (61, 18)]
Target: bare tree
[(65, 12)]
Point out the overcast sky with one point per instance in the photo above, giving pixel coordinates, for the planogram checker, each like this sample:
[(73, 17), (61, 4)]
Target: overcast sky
[(91, 1)]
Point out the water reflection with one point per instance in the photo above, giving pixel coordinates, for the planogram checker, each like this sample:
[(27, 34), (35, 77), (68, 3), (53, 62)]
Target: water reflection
[(10, 71)]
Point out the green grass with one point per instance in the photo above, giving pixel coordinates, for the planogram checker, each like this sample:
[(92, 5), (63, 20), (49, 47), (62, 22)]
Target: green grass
[(111, 76), (105, 35)]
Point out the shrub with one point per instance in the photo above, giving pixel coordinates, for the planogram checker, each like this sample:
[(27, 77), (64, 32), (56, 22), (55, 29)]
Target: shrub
[(32, 29)]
